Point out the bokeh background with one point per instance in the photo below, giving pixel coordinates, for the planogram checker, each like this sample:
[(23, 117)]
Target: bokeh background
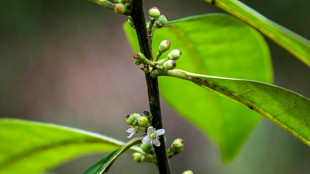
[(68, 62)]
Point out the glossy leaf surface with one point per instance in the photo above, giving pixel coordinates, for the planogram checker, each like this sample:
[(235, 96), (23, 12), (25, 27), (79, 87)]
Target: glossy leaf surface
[(287, 109), (294, 43), (218, 45), (31, 147)]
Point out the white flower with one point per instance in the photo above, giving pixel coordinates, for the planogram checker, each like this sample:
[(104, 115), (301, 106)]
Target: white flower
[(132, 131), (152, 136)]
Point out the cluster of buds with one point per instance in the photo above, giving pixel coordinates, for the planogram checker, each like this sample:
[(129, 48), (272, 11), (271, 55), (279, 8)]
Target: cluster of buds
[(138, 122), (157, 20), (167, 63), (142, 124), (160, 20), (122, 6), (177, 147), (147, 156)]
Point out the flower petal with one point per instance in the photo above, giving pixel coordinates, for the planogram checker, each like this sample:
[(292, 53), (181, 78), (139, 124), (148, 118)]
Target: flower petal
[(146, 139), (131, 130), (160, 132), (130, 135), (150, 129), (156, 142)]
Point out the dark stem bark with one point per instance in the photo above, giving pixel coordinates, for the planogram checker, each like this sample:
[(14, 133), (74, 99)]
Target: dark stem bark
[(137, 15)]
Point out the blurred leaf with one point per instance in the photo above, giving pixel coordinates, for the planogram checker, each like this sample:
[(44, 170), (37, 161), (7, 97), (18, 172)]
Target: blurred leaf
[(287, 109), (103, 165), (31, 147), (295, 44), (219, 45)]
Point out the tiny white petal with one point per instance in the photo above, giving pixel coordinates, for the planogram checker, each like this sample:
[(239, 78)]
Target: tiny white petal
[(131, 130), (130, 135), (150, 129), (160, 132), (146, 139), (156, 142)]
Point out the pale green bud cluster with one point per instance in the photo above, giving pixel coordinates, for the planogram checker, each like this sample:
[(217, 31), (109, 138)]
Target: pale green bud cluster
[(167, 63), (147, 156), (136, 119), (177, 147), (157, 20)]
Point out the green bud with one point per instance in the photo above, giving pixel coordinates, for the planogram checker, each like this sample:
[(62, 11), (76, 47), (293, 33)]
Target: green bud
[(174, 54), (178, 144), (132, 118), (154, 12), (138, 157), (148, 115), (139, 58), (169, 64), (188, 172), (164, 46), (147, 147), (119, 8), (143, 121), (162, 19), (178, 151)]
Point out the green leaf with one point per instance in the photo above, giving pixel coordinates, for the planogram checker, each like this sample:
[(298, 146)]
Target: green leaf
[(287, 109), (295, 44), (103, 165), (219, 45), (31, 147)]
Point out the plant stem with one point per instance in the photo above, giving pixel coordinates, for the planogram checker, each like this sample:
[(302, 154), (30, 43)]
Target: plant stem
[(137, 15)]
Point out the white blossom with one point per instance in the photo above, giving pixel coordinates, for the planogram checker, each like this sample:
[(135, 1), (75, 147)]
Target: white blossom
[(132, 131), (152, 136)]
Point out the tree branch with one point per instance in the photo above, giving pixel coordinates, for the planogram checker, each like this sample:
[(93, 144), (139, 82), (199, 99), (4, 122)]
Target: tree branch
[(137, 15)]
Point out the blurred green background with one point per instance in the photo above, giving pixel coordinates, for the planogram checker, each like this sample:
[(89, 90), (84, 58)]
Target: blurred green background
[(68, 62)]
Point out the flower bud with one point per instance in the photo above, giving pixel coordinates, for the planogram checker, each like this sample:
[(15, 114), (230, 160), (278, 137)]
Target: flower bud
[(164, 46), (178, 151), (169, 64), (174, 54), (188, 172), (143, 121), (138, 157), (139, 58), (154, 12), (147, 147), (148, 115), (162, 19), (132, 118), (178, 144), (119, 8)]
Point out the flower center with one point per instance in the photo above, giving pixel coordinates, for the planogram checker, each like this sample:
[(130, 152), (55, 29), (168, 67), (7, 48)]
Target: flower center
[(152, 135)]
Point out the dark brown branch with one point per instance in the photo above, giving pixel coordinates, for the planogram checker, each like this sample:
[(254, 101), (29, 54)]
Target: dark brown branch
[(137, 15)]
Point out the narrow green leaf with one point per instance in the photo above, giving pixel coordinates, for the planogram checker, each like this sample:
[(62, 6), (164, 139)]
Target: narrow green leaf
[(32, 147), (295, 44), (287, 109), (103, 165), (218, 45)]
